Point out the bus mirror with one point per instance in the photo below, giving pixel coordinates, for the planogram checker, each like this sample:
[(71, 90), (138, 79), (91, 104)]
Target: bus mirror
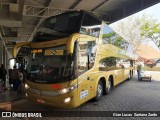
[(12, 62)]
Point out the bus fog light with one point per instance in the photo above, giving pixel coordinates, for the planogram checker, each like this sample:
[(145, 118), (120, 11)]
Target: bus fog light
[(67, 100), (26, 86), (26, 95)]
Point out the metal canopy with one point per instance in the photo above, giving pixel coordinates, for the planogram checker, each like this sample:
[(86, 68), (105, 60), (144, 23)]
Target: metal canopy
[(19, 18)]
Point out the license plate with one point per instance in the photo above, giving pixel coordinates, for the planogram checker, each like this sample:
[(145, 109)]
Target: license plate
[(40, 101)]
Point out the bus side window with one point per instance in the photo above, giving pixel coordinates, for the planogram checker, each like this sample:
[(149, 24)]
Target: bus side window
[(108, 63)]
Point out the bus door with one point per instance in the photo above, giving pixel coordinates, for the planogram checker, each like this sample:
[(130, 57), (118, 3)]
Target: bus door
[(123, 72), (126, 65), (22, 57), (82, 68)]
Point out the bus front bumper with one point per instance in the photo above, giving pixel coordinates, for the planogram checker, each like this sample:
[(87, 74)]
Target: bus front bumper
[(68, 100)]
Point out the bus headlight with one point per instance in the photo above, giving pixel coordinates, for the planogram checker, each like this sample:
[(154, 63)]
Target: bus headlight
[(64, 90), (26, 86), (67, 100), (69, 89), (26, 95)]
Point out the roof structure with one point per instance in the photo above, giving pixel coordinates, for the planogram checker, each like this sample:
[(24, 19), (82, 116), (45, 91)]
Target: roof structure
[(148, 52), (149, 62), (19, 18)]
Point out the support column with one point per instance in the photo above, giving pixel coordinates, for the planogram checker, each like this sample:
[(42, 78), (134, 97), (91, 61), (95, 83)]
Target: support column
[(1, 52)]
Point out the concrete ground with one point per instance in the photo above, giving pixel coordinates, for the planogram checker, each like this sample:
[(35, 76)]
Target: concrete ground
[(131, 95)]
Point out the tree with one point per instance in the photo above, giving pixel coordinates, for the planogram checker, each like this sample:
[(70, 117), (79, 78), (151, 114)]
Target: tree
[(114, 38), (136, 30), (130, 31), (150, 28)]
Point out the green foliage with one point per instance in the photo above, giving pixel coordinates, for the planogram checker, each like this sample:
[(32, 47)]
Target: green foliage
[(113, 38), (109, 37), (150, 28), (110, 61), (136, 30)]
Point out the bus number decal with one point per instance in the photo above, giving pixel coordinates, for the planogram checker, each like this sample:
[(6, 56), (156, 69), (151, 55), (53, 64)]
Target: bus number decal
[(83, 94)]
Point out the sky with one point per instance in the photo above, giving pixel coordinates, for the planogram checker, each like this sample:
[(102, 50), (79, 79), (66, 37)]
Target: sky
[(151, 11)]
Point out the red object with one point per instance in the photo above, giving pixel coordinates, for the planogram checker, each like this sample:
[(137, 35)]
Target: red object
[(56, 86), (149, 62)]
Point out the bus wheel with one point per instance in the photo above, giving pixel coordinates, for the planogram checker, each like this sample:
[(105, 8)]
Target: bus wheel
[(99, 91)]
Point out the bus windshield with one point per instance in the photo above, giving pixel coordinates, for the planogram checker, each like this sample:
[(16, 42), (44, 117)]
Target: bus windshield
[(50, 65), (59, 26)]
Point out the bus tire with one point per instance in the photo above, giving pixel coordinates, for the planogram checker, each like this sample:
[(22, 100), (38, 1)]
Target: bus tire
[(99, 91)]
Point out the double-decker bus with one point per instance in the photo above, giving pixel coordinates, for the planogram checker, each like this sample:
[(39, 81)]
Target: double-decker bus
[(73, 57)]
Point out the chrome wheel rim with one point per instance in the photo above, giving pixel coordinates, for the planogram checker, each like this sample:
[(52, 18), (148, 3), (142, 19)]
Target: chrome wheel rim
[(109, 85), (99, 90)]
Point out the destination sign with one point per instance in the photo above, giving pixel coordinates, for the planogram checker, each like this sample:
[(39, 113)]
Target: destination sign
[(53, 52)]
